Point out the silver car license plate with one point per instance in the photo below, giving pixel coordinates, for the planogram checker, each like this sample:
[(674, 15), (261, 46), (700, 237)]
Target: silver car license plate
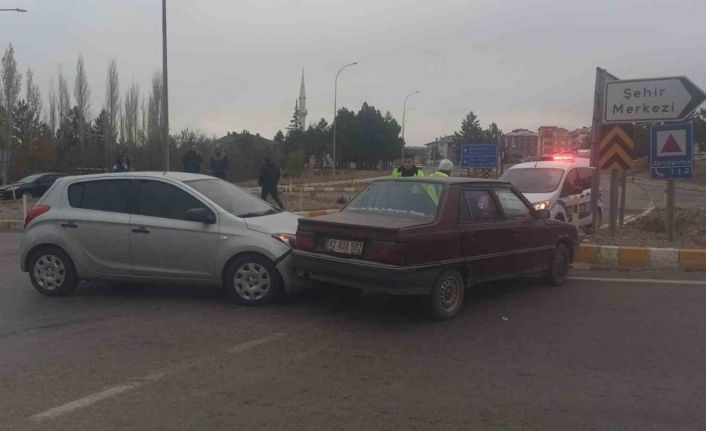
[(353, 248)]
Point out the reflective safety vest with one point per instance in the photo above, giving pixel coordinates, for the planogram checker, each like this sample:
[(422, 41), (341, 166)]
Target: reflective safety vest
[(397, 172), (439, 174)]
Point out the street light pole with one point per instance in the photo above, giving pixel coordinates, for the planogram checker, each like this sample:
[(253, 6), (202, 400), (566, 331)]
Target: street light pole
[(165, 87), (13, 10), (404, 114), (335, 108)]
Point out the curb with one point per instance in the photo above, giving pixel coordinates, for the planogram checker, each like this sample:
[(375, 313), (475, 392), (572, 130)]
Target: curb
[(641, 257), (314, 213), (11, 225), (312, 189)]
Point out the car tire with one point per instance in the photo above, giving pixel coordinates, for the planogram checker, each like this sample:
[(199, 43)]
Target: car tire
[(560, 217), (252, 279), (559, 265), (446, 296), (52, 272)]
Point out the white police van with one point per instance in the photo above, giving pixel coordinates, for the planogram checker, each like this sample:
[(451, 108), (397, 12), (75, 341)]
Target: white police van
[(557, 184)]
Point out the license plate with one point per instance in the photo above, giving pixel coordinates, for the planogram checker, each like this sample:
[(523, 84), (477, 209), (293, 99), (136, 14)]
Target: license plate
[(354, 248)]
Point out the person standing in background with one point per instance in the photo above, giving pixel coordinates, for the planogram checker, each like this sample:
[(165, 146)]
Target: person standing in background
[(218, 166), (192, 160), (269, 181)]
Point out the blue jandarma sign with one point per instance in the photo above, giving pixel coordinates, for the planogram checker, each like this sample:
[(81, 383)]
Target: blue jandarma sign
[(672, 152)]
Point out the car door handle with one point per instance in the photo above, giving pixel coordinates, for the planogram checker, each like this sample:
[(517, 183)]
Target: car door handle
[(141, 229), (69, 224)]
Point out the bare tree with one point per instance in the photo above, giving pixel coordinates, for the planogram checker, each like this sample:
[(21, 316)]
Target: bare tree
[(131, 116), (51, 115), (63, 108), (34, 105), (154, 116), (82, 93), (11, 83), (112, 106)]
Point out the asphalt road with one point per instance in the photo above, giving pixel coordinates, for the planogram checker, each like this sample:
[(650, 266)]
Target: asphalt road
[(591, 355)]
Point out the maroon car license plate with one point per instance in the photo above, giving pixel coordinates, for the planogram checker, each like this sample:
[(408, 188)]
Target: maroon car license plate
[(354, 248)]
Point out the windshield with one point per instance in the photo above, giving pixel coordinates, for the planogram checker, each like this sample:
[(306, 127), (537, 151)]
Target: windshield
[(408, 198), (232, 198), (30, 178), (534, 180)]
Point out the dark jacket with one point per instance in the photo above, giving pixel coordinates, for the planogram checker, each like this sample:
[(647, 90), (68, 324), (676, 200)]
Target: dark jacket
[(192, 162), (218, 165), (269, 176)]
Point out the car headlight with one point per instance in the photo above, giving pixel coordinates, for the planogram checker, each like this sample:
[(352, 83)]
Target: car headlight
[(542, 205), (285, 238)]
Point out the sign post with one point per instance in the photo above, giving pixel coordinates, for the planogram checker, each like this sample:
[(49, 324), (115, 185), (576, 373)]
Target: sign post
[(671, 158)]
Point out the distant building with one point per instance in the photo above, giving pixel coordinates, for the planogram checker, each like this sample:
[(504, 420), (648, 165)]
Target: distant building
[(439, 148), (553, 139), (520, 144), (581, 138)]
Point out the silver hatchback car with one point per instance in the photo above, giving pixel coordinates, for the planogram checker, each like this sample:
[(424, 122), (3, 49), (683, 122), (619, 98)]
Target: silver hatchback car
[(159, 226)]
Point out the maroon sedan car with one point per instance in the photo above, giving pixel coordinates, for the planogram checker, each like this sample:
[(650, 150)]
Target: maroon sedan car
[(433, 236)]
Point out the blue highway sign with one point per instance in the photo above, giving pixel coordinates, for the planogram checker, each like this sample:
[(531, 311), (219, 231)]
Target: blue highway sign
[(481, 155)]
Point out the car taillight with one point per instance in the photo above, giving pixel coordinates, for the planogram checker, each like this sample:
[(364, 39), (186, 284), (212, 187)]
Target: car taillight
[(387, 252), (35, 212), (304, 241)]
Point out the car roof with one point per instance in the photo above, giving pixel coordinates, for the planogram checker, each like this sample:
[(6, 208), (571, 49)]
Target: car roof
[(445, 180), (178, 176), (577, 163)]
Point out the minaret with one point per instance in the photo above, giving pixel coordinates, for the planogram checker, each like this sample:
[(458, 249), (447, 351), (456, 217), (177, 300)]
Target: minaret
[(302, 105)]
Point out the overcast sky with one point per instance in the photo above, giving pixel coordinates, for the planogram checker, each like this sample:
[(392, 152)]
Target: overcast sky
[(236, 65)]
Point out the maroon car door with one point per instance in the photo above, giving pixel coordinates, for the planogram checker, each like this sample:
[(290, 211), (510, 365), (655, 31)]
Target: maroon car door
[(486, 241), (529, 235)]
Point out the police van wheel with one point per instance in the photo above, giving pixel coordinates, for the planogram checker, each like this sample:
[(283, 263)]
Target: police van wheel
[(560, 217)]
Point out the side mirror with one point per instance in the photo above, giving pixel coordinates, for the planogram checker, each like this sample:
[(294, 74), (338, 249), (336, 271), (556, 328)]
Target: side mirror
[(200, 215), (542, 213)]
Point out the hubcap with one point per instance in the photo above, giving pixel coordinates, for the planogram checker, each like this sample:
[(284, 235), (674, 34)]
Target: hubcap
[(49, 272), (450, 292), (252, 281)]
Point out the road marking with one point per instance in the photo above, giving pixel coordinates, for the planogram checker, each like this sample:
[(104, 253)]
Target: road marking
[(639, 280), (153, 377), (85, 401)]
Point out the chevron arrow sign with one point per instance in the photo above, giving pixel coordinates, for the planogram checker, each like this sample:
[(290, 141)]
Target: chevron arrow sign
[(615, 149)]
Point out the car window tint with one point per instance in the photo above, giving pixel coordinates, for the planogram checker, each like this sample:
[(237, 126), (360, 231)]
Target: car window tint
[(572, 181), (158, 199), (512, 205), (481, 205), (104, 195)]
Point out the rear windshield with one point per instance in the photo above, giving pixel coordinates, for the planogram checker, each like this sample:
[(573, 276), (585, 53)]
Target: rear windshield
[(406, 198), (534, 180)]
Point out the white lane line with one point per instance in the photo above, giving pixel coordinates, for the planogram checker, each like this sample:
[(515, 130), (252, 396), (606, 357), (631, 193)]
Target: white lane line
[(153, 377), (85, 401), (254, 343), (640, 280)]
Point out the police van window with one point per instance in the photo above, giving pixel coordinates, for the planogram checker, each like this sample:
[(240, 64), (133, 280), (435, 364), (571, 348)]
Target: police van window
[(512, 205), (479, 206), (585, 178), (571, 182)]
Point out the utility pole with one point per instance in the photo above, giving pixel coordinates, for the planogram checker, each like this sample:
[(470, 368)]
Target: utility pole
[(165, 87), (335, 109), (404, 112)]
